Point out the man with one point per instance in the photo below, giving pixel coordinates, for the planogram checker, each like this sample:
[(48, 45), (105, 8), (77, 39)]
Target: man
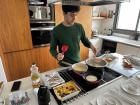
[(69, 33)]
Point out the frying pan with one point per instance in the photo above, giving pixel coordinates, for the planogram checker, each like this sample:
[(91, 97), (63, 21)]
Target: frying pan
[(96, 64), (98, 75), (84, 67)]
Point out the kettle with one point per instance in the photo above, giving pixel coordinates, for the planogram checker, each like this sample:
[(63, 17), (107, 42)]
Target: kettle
[(43, 95)]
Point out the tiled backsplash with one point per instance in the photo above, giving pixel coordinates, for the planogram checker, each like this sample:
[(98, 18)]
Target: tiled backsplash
[(104, 24)]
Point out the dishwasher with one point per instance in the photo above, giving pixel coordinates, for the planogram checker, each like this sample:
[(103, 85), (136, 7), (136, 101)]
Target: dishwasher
[(108, 45)]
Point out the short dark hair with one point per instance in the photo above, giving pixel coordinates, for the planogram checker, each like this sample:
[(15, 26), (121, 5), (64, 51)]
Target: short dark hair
[(70, 8)]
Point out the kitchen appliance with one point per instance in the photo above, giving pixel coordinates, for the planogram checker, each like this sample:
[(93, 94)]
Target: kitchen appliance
[(88, 2), (41, 13), (68, 75), (37, 2), (41, 22), (79, 68), (93, 81), (93, 63), (108, 46), (41, 33), (43, 96)]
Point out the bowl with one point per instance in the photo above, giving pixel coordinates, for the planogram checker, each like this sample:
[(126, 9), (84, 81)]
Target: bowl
[(96, 63), (79, 67)]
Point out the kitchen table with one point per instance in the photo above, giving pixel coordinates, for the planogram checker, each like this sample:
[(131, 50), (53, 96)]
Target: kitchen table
[(86, 99)]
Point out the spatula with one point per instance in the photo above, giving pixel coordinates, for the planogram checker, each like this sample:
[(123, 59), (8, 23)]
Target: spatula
[(64, 48)]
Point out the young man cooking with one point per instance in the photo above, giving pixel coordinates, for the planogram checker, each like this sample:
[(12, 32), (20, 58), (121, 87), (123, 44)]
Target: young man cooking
[(70, 34)]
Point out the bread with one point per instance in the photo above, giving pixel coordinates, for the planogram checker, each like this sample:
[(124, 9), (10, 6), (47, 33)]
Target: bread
[(108, 59), (127, 63)]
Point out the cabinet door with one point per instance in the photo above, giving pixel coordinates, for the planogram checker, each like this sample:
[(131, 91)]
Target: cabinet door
[(126, 49), (83, 52), (43, 58), (15, 32), (84, 18), (19, 63), (0, 51)]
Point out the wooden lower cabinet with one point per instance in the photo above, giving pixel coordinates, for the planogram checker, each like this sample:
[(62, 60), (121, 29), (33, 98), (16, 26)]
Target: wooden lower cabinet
[(0, 51), (83, 52), (19, 63)]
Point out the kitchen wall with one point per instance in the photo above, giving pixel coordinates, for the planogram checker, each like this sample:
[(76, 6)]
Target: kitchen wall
[(100, 24)]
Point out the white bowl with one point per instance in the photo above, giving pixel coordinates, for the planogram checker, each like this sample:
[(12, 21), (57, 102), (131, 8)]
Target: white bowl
[(79, 67)]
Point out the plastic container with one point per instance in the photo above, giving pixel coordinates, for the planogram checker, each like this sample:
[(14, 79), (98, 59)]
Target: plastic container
[(38, 13), (43, 95), (35, 76)]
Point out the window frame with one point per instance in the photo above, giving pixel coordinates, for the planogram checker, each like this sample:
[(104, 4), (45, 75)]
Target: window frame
[(135, 33)]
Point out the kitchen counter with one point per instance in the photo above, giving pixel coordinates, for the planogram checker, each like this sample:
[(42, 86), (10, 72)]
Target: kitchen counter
[(83, 100), (26, 85), (120, 40)]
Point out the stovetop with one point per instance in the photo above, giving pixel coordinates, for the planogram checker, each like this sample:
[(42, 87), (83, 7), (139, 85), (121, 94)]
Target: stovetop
[(68, 75)]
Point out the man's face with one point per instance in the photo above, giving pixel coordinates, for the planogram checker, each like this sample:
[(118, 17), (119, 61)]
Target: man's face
[(70, 17)]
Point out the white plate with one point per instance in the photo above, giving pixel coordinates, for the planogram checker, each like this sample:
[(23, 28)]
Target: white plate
[(131, 87), (47, 77), (138, 76), (107, 99)]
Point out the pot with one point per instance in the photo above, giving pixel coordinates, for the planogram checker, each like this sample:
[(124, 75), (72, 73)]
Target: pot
[(79, 68), (96, 64), (95, 74)]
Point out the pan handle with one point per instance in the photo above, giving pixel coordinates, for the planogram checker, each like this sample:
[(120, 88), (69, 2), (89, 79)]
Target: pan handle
[(66, 63)]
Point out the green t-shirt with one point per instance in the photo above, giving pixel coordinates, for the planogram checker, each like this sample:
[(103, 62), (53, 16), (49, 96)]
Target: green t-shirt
[(71, 36)]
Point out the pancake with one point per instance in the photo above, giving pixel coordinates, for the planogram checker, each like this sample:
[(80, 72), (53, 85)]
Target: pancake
[(91, 78)]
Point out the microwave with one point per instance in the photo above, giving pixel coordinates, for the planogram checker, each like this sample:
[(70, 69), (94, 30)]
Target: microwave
[(41, 13), (41, 33)]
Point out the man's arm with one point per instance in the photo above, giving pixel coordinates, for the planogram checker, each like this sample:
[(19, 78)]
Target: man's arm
[(94, 50), (53, 45)]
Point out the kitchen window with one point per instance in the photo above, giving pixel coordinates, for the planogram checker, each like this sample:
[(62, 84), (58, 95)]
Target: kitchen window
[(127, 18)]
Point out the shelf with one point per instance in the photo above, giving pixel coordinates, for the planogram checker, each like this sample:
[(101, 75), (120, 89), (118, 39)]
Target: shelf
[(98, 18)]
